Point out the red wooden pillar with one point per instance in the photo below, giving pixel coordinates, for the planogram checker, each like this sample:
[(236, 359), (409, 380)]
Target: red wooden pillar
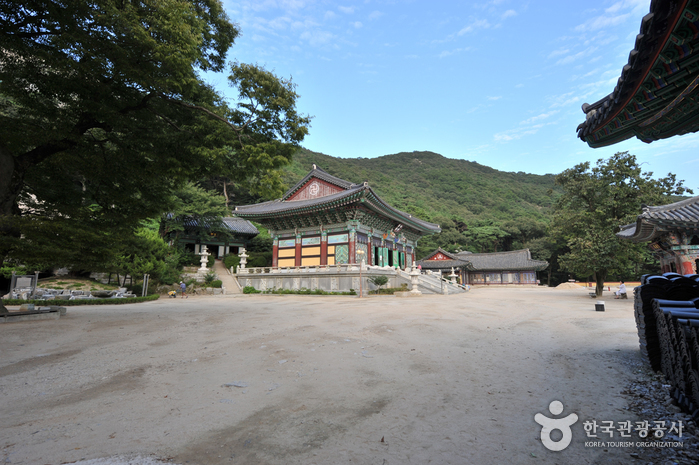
[(298, 250), (324, 248), (686, 265), (352, 246), (369, 249), (275, 251)]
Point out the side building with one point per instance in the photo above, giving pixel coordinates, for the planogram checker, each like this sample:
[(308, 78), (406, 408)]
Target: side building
[(513, 267), (324, 220), (673, 233), (228, 236)]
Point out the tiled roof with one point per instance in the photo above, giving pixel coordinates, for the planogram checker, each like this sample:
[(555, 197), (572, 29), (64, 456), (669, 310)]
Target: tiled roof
[(240, 225), (515, 260), (236, 225), (445, 264), (655, 221), (653, 96), (320, 174), (354, 193), (279, 206)]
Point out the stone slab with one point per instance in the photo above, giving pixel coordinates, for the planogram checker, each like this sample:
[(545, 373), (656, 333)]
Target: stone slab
[(13, 317), (407, 294)]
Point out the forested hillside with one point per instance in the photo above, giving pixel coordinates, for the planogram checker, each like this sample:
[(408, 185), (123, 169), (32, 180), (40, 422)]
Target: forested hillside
[(479, 208)]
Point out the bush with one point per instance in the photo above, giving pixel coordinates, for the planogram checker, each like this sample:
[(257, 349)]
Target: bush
[(305, 291), (379, 280), (210, 278), (138, 288), (231, 260), (217, 283), (250, 290), (75, 303)]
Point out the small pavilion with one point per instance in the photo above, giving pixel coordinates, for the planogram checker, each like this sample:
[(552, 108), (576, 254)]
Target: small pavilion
[(325, 220)]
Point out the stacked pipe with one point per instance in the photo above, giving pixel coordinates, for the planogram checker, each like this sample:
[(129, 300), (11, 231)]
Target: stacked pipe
[(667, 317)]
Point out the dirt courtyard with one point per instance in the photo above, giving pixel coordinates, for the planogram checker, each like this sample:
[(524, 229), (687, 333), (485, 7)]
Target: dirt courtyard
[(318, 380)]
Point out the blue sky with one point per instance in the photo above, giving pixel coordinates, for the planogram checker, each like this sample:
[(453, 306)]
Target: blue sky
[(498, 82)]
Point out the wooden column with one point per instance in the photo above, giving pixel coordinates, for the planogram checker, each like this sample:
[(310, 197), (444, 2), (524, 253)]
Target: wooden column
[(323, 248), (369, 249), (275, 251), (298, 250), (352, 246)]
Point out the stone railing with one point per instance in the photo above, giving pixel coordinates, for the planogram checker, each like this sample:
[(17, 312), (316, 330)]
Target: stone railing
[(340, 268)]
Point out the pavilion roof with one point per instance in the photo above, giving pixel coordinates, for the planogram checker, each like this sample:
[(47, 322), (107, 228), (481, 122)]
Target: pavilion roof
[(233, 224), (654, 97), (655, 221), (515, 260), (351, 195)]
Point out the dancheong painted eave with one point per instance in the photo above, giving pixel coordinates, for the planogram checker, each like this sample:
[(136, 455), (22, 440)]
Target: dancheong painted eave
[(656, 221), (656, 94)]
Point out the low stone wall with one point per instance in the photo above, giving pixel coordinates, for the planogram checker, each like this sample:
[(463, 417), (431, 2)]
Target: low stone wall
[(329, 279)]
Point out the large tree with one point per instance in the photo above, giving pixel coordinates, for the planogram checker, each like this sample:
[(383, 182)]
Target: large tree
[(103, 112), (596, 202)]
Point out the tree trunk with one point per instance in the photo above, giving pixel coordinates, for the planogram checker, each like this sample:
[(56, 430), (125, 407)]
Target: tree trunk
[(599, 280)]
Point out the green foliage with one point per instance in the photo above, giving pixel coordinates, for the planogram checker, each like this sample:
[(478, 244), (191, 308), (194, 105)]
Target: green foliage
[(597, 201), (306, 291), (104, 115), (231, 260), (147, 253), (209, 278), (78, 302), (379, 280), (216, 283), (388, 290), (259, 259), (196, 212), (250, 290), (138, 288)]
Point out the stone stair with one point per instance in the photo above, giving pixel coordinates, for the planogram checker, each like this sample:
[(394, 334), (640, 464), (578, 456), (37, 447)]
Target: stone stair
[(228, 280)]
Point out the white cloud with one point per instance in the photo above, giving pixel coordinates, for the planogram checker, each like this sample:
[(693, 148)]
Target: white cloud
[(447, 53), (540, 117), (508, 14), (348, 10), (571, 58), (475, 25), (497, 97), (330, 15), (357, 24), (317, 38), (375, 15), (560, 51)]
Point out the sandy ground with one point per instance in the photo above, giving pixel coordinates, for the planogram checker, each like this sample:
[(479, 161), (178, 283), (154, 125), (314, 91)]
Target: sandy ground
[(323, 380)]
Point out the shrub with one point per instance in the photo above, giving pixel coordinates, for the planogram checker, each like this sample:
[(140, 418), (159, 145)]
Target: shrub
[(231, 260), (75, 303), (379, 280), (210, 278), (216, 283), (250, 290), (138, 288)]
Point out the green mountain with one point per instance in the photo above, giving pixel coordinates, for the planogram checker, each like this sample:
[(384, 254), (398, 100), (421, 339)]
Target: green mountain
[(479, 208)]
